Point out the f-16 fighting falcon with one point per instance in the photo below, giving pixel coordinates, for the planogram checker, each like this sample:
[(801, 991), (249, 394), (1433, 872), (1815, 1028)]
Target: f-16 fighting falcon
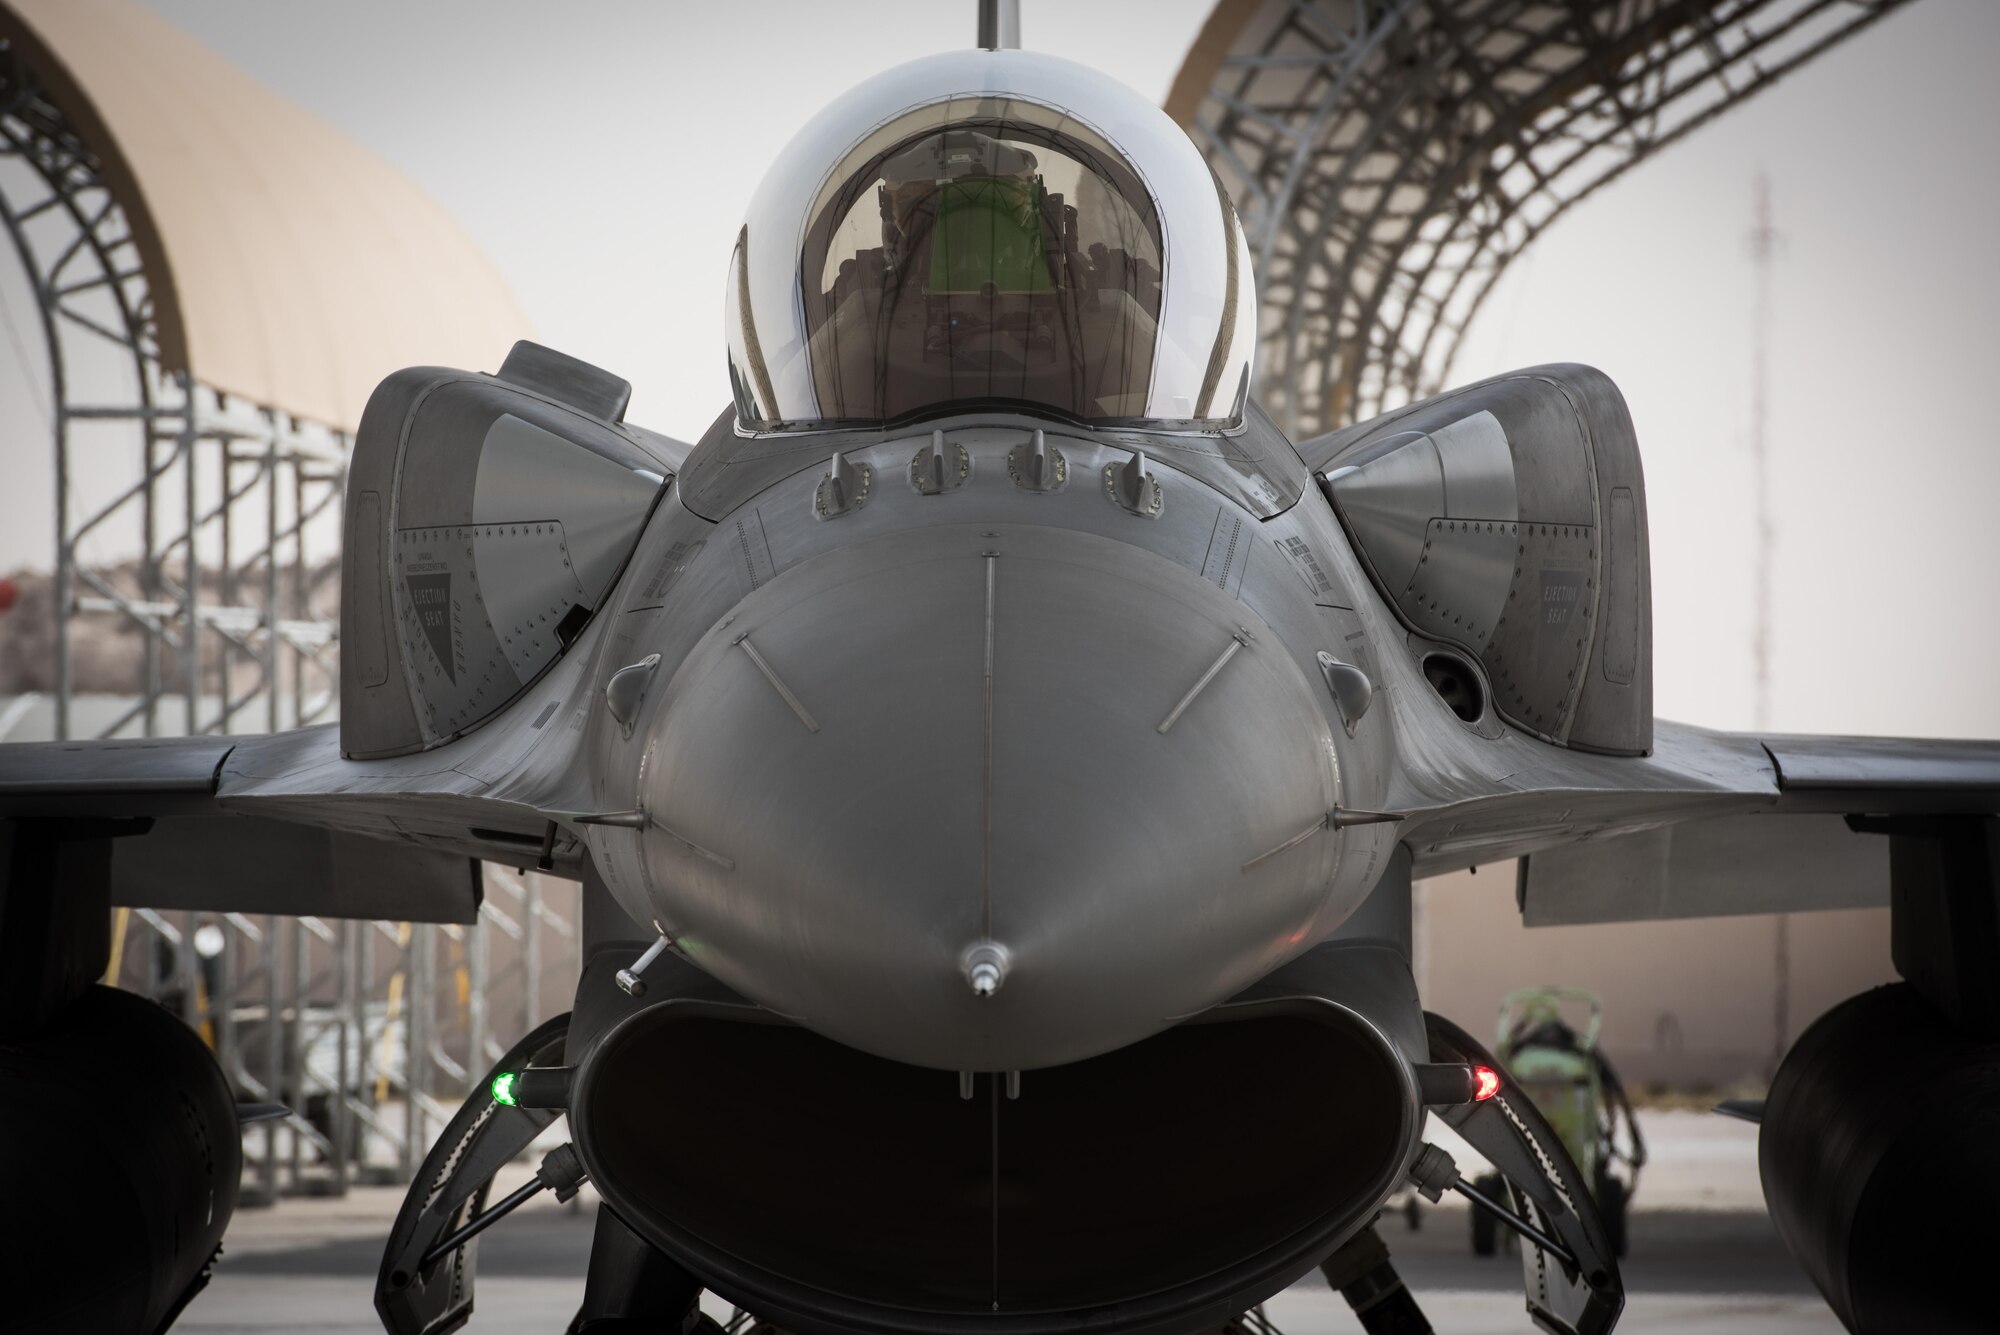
[(995, 760)]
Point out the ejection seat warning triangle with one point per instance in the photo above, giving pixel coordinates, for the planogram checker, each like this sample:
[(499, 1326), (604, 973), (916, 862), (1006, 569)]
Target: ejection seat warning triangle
[(430, 599)]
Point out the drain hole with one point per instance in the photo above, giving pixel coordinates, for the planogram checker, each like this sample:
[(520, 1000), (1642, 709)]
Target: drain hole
[(1456, 684)]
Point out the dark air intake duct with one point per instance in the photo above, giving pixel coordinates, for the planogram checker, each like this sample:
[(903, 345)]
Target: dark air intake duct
[(1880, 1154), (122, 1162), (1163, 1187)]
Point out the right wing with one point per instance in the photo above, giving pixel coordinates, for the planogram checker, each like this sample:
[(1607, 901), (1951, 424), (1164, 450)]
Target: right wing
[(269, 824)]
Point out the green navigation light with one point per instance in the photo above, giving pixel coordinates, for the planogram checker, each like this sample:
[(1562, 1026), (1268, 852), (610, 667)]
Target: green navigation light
[(503, 1088)]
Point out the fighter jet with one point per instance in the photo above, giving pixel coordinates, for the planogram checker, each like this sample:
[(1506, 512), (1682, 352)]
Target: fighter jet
[(995, 760)]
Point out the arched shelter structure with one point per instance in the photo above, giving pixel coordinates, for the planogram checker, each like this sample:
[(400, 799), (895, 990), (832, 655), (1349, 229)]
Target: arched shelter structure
[(1390, 157), (222, 278)]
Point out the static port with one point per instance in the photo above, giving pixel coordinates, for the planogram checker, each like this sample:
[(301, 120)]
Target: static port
[(1456, 684)]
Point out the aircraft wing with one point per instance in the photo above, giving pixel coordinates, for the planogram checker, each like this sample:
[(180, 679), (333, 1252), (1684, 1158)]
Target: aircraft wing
[(1888, 774), (47, 780), (1503, 527), (1710, 823), (278, 824)]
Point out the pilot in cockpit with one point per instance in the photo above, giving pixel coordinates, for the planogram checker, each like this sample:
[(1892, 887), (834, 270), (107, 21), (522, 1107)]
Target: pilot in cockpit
[(991, 250), (1002, 261)]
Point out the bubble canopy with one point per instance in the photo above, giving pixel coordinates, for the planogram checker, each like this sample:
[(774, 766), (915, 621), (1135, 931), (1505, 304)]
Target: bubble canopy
[(990, 228)]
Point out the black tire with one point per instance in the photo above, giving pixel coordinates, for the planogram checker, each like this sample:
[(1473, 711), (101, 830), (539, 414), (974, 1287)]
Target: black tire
[(1613, 1204), (1485, 1228)]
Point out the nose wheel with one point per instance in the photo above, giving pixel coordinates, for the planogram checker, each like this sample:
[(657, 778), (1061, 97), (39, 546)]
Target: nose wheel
[(1360, 1271), (632, 1289)]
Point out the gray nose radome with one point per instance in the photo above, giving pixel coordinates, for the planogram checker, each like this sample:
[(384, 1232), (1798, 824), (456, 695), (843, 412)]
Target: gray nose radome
[(991, 799)]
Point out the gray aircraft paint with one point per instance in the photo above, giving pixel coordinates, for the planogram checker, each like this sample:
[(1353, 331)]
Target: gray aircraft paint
[(881, 634), (875, 622)]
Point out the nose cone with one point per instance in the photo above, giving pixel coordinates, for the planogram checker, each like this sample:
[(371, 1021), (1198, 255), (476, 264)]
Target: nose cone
[(989, 799)]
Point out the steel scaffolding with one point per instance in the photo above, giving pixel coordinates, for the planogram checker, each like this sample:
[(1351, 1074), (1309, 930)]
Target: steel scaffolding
[(369, 1032), (1391, 157), (220, 499), (209, 527)]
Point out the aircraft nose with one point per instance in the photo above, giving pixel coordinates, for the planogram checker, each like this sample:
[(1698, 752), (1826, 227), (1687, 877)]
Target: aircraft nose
[(989, 798)]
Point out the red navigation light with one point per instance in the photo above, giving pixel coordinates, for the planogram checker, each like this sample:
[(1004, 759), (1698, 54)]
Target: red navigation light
[(1486, 1083)]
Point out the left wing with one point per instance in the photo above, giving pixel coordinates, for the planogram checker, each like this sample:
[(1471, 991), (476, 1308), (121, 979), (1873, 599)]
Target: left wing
[(1710, 823)]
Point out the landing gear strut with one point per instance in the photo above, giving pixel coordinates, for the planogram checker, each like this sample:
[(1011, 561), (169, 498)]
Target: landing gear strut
[(1360, 1269)]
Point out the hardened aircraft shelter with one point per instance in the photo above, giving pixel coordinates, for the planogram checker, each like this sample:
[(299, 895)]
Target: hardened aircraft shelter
[(220, 279), (1390, 158)]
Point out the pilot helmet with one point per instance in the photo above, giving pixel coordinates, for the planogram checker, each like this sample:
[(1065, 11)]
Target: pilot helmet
[(997, 230)]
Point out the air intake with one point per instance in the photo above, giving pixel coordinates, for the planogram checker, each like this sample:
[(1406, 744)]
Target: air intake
[(1160, 1187)]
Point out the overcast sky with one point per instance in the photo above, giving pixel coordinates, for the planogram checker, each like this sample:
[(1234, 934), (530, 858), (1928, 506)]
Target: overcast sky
[(602, 154)]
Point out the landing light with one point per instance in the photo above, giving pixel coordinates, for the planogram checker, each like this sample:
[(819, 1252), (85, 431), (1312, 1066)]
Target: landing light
[(503, 1089), (1486, 1083)]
